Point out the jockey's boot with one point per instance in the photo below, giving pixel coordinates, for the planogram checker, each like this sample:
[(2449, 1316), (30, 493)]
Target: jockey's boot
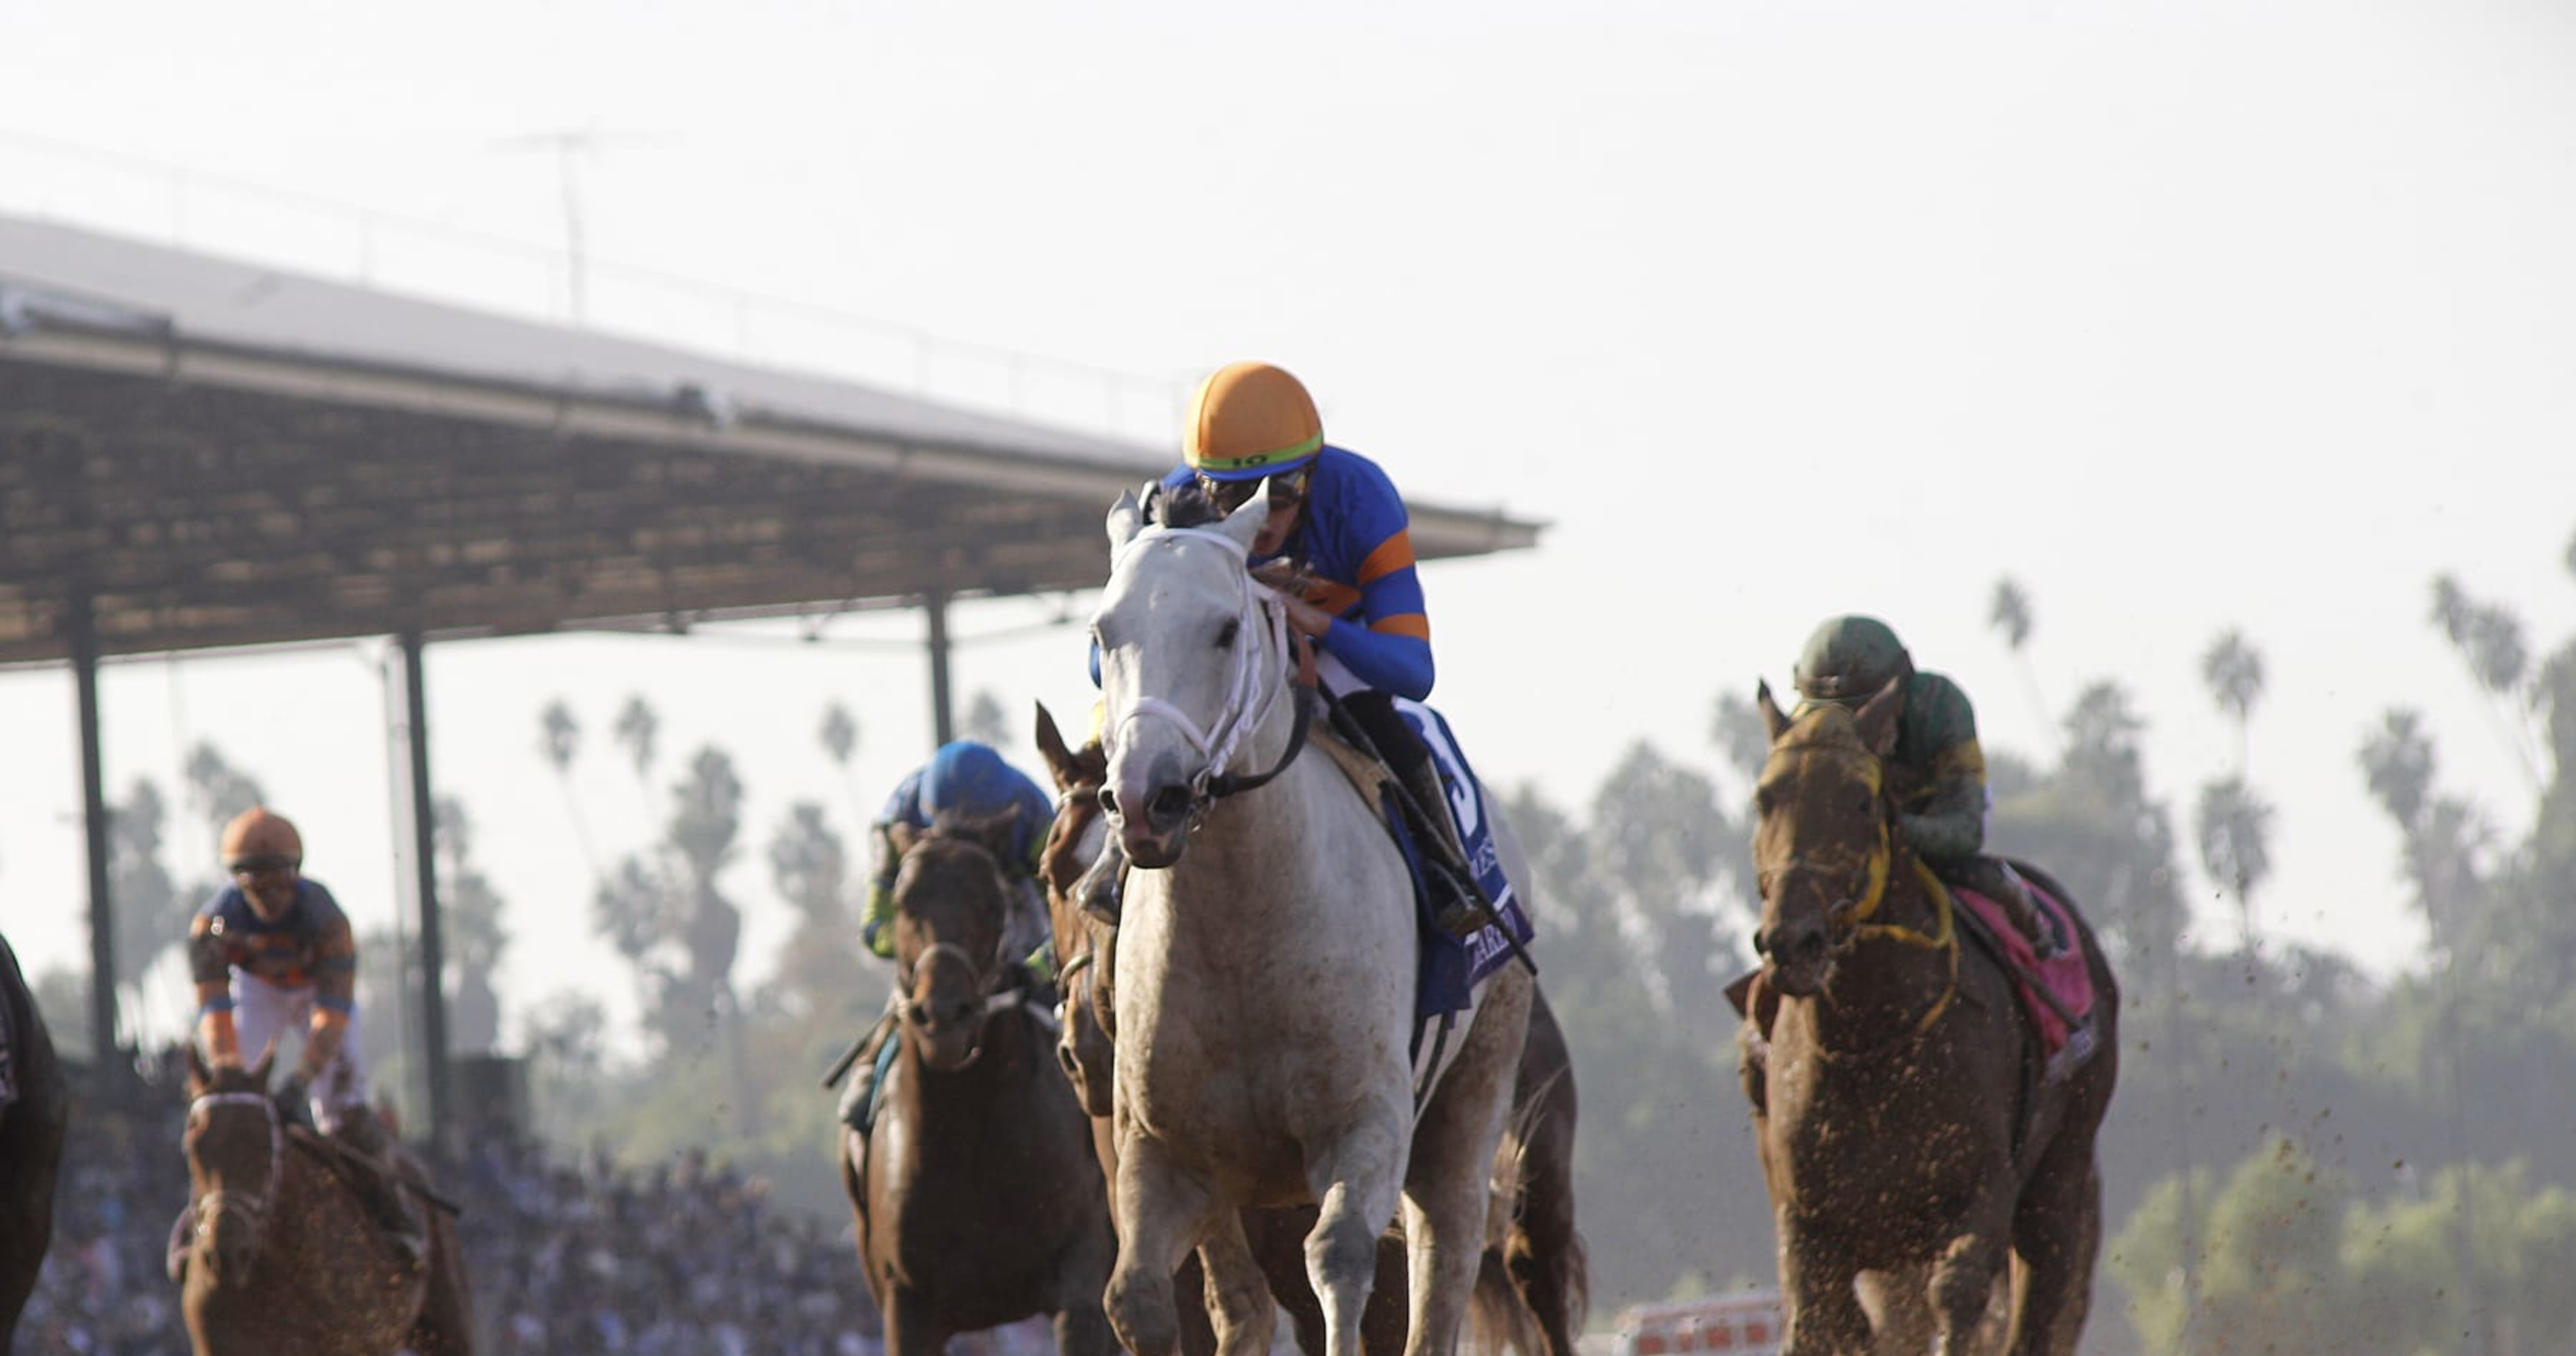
[(1994, 878), (863, 1074), (1458, 907), (1103, 888), (379, 1187)]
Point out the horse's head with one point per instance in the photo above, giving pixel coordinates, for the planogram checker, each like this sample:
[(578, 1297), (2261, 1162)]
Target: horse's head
[(1075, 841), (951, 910), (1821, 846), (1193, 660), (236, 1151)]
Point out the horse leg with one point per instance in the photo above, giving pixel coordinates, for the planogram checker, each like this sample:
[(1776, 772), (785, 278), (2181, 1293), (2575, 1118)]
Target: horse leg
[(1238, 1295), (1963, 1285), (1161, 1209), (1081, 1328), (1899, 1305), (2057, 1230), (1448, 1191), (1357, 1182), (909, 1328), (1824, 1315)]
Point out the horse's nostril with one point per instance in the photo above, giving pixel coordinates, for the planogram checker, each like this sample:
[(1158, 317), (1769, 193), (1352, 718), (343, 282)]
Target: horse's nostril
[(1169, 804), (1109, 800), (1761, 942)]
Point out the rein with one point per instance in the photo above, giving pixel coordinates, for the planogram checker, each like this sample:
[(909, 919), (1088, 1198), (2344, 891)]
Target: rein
[(988, 979), (252, 1203), (1248, 698), (1849, 919)]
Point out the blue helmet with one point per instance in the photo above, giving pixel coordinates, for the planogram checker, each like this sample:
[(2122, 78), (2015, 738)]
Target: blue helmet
[(967, 778)]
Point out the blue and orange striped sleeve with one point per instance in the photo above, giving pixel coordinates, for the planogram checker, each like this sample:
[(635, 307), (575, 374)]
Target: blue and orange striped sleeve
[(1382, 630)]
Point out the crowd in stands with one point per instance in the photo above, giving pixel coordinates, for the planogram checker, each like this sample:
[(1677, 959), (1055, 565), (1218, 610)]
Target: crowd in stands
[(565, 1255)]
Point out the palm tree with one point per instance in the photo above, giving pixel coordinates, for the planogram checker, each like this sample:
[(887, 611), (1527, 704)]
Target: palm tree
[(2234, 824), (2234, 671), (559, 739), (2011, 616), (840, 736), (639, 730)]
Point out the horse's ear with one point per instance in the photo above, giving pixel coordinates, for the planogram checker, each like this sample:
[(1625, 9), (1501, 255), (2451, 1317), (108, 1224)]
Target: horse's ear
[(994, 831), (1878, 719), (1773, 718), (199, 1076), (899, 838), (267, 1058), (1059, 759), (1246, 523), (1126, 519)]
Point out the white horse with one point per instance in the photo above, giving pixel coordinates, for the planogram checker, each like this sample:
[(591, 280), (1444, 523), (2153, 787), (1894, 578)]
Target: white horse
[(1266, 972)]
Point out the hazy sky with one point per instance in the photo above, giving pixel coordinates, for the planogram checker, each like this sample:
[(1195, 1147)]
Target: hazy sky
[(2187, 316)]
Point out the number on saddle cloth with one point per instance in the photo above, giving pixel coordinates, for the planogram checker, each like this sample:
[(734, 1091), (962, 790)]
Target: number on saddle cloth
[(1451, 968)]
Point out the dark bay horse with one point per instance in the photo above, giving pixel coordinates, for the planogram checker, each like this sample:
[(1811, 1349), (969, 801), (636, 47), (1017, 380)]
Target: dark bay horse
[(1903, 1127), (283, 1260), (1536, 1256), (31, 1143), (977, 1198)]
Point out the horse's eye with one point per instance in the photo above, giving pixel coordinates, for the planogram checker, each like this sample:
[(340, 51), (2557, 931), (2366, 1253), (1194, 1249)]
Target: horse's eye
[(1225, 635), (1764, 883)]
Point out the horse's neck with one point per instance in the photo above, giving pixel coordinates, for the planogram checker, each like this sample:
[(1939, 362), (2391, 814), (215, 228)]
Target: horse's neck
[(1882, 985)]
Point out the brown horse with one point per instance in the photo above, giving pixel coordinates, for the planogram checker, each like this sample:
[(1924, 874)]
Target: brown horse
[(977, 1198), (31, 1143), (1904, 1128), (283, 1260), (1535, 1254)]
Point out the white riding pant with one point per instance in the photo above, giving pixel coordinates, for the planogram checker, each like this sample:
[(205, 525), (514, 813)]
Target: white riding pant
[(264, 1012)]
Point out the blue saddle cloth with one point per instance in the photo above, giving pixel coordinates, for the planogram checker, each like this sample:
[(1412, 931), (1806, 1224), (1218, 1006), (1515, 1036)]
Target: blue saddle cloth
[(1451, 967)]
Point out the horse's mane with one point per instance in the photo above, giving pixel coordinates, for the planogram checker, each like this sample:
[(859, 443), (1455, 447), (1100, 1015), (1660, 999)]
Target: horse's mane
[(1183, 505)]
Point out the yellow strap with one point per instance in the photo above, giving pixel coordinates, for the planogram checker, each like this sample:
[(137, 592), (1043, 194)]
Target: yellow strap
[(1946, 939)]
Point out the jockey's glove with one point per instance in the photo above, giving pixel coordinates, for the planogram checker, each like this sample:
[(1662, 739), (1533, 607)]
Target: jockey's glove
[(1041, 963), (294, 1099), (878, 937)]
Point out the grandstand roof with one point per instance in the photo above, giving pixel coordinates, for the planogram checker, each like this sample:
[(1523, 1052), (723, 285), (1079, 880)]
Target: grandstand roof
[(223, 453)]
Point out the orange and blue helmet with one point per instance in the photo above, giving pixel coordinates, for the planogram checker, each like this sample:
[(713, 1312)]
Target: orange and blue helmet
[(1250, 420)]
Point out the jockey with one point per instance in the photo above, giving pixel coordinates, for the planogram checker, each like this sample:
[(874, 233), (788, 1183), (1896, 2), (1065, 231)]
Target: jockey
[(1338, 542), (1937, 772), (966, 780), (271, 951)]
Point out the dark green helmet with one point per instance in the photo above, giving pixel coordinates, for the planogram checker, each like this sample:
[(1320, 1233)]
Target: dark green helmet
[(1850, 658)]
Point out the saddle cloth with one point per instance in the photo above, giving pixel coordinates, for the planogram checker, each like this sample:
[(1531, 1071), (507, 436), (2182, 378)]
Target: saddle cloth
[(2064, 1025)]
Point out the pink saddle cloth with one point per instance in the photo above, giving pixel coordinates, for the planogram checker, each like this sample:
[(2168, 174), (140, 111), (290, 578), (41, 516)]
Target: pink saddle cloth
[(2065, 1028)]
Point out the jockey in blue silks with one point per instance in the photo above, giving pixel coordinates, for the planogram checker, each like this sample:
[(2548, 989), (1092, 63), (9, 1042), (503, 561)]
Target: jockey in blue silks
[(1339, 545), (964, 780)]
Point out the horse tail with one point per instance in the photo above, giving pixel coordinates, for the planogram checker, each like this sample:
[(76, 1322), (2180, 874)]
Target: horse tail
[(1496, 1317)]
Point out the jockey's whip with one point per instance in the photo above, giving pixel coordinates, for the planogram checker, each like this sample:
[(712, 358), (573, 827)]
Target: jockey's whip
[(841, 1067)]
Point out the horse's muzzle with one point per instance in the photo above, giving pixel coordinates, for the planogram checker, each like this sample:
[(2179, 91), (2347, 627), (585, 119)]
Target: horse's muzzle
[(1799, 956)]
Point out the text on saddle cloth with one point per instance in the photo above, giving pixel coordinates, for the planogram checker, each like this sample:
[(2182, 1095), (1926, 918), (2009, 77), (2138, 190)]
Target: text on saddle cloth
[(2067, 979), (1451, 969)]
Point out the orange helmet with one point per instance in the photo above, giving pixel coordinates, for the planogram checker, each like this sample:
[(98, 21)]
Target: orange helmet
[(1250, 420), (261, 832)]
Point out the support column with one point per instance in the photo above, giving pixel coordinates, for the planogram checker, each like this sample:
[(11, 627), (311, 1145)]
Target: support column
[(433, 957), (943, 724), (83, 625)]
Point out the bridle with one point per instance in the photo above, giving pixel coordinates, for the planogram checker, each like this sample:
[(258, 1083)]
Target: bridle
[(1848, 919), (1249, 697), (253, 1204), (988, 976), (1086, 961)]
